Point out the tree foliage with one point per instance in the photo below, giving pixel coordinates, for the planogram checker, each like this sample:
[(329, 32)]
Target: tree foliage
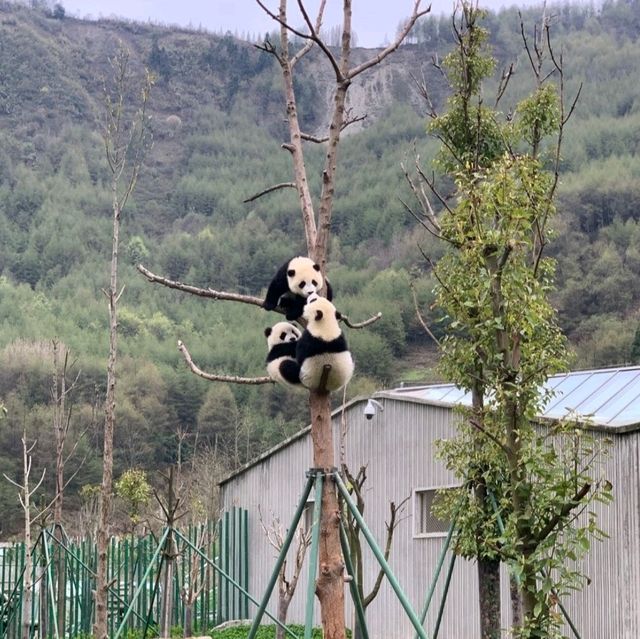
[(521, 486)]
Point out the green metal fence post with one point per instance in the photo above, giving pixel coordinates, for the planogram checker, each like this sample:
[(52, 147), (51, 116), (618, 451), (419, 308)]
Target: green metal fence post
[(443, 601), (436, 576), (245, 574), (380, 557)]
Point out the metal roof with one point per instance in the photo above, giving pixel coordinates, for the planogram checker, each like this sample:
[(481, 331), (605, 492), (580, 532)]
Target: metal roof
[(607, 398)]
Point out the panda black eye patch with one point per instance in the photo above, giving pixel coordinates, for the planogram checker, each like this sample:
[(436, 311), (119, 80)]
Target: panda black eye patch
[(283, 336), (302, 284), (314, 282)]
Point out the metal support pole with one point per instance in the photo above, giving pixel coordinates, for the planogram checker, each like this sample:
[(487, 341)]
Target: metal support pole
[(353, 586), (380, 557), (54, 611), (436, 576), (447, 583), (150, 606), (313, 556)]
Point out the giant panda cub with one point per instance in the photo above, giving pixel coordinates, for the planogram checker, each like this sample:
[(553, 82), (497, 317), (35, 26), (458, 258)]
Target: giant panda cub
[(282, 366), (292, 284), (323, 343)]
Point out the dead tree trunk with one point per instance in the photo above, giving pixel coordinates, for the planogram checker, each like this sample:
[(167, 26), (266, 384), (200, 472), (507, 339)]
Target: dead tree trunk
[(61, 428), (169, 508), (125, 147), (330, 583)]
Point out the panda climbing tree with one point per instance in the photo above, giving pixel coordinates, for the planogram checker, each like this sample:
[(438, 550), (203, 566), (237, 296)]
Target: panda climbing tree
[(317, 227)]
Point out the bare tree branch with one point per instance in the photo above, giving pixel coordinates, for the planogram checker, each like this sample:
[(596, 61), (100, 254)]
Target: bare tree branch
[(231, 379), (200, 292), (502, 85), (371, 320), (315, 29), (352, 73), (271, 189), (420, 318), (349, 120), (421, 86), (391, 525)]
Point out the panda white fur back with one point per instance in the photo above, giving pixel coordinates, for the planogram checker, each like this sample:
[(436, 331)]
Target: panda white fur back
[(294, 282), (282, 366), (322, 343)]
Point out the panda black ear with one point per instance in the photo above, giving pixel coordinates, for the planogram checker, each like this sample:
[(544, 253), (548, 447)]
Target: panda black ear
[(338, 315), (291, 272), (267, 332), (318, 316), (316, 267)]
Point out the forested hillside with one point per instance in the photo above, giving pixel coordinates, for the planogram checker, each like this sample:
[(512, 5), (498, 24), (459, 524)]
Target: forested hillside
[(218, 115)]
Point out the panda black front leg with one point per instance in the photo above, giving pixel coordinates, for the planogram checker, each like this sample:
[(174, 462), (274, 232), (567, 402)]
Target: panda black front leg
[(329, 294), (277, 288), (294, 307)]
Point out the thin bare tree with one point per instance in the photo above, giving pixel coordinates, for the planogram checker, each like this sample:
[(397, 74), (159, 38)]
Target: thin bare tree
[(61, 421), (25, 493), (194, 582), (356, 486), (125, 143), (287, 584)]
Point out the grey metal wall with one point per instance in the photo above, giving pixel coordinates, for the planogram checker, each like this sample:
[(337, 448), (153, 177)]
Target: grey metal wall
[(397, 446)]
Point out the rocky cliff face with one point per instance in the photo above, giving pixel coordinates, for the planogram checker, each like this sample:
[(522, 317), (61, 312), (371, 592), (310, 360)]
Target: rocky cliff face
[(52, 71)]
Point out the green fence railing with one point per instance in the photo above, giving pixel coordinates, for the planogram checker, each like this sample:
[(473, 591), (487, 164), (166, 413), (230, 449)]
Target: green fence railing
[(64, 570)]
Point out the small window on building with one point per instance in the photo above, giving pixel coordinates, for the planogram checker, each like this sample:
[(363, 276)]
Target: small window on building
[(426, 524), (307, 516)]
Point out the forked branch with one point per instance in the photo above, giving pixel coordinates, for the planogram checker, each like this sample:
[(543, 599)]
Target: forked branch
[(415, 14)]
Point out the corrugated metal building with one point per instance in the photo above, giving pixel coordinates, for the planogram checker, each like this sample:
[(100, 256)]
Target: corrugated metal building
[(397, 445)]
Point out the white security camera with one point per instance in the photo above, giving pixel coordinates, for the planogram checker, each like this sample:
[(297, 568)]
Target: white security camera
[(370, 408)]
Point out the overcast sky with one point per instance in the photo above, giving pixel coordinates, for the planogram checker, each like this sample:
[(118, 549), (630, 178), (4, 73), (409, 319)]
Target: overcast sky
[(374, 21)]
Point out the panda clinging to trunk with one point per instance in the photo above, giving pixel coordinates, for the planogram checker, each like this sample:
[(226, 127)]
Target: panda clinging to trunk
[(322, 343), (294, 282), (282, 366)]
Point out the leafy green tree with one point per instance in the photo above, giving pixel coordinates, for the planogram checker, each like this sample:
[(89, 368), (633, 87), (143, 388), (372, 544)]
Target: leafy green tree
[(134, 490), (503, 340)]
